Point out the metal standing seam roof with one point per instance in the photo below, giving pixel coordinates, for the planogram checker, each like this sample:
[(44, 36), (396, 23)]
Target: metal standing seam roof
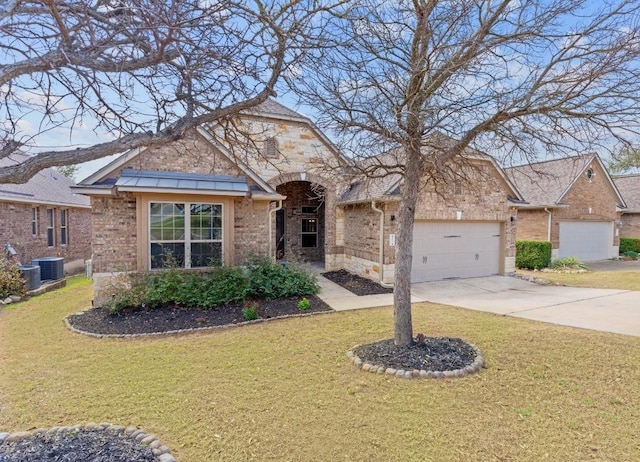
[(131, 179)]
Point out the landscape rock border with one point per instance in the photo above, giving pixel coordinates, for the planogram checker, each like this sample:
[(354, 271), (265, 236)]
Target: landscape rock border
[(185, 331), (159, 450), (472, 368)]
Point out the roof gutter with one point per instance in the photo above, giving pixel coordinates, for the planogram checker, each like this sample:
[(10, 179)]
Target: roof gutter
[(270, 218), (381, 244)]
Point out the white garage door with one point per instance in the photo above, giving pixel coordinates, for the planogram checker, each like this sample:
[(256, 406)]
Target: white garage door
[(586, 240), (455, 250)]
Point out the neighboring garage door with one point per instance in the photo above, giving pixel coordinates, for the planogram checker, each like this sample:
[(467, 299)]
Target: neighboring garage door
[(455, 250), (586, 240)]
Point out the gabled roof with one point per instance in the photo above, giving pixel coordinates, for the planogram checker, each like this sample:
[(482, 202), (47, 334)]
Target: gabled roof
[(386, 187), (98, 182), (629, 187), (545, 184), (47, 187)]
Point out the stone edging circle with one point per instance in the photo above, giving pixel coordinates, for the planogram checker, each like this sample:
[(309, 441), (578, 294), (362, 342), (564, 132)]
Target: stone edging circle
[(185, 331), (472, 368), (159, 450)]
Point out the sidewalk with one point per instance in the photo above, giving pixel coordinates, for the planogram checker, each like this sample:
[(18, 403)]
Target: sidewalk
[(340, 299)]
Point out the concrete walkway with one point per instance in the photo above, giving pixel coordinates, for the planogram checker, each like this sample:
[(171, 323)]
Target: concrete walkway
[(606, 310)]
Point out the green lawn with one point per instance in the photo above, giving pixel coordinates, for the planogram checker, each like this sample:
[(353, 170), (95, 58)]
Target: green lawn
[(284, 391)]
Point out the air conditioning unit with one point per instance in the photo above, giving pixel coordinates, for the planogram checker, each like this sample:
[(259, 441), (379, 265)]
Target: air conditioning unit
[(51, 268), (31, 275)]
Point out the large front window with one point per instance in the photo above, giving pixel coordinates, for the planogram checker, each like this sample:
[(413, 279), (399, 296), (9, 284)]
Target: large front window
[(184, 234)]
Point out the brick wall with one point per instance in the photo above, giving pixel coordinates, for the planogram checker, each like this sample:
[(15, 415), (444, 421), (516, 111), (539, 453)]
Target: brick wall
[(630, 225), (114, 233), (16, 230), (589, 199)]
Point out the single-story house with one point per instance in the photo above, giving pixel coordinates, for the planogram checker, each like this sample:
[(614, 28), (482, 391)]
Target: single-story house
[(572, 203), (208, 201), (629, 187), (45, 218)]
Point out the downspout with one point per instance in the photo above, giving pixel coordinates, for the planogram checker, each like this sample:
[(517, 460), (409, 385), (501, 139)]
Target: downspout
[(381, 244), (270, 218), (548, 224)]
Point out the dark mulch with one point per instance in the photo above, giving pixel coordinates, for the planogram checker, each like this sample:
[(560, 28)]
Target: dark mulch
[(80, 446), (433, 354), (170, 318), (356, 284)]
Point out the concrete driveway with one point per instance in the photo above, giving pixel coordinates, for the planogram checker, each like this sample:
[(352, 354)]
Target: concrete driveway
[(607, 310)]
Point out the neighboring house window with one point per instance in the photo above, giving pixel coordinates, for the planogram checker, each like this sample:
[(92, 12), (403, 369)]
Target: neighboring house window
[(184, 234), (34, 220), (457, 187), (64, 234), (271, 148), (309, 232), (51, 230)]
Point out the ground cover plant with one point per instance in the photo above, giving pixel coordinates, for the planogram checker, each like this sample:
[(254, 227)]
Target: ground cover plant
[(286, 391), (623, 280)]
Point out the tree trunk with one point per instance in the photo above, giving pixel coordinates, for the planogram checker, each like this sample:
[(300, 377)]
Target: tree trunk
[(403, 326)]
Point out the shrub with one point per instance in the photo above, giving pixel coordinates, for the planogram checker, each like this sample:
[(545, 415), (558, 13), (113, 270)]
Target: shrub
[(304, 304), (11, 280), (629, 244), (631, 254), (270, 280), (250, 311), (533, 254)]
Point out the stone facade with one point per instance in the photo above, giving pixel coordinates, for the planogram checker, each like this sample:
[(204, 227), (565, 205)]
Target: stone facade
[(16, 229)]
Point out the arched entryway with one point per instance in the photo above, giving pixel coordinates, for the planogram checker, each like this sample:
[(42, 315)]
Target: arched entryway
[(301, 222)]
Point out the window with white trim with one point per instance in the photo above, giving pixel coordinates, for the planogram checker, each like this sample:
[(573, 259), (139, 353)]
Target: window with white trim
[(35, 211), (64, 230), (188, 235), (51, 228)]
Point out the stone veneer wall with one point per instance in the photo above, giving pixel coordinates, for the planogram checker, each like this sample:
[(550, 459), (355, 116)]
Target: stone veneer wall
[(16, 230)]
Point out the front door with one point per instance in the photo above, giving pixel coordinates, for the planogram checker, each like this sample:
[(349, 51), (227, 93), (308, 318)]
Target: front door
[(280, 236)]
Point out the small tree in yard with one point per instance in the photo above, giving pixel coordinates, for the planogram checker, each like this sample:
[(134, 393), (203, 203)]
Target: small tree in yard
[(509, 78), (138, 72)]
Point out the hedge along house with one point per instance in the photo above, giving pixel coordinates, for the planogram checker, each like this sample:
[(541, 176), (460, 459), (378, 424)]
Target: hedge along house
[(464, 223), (629, 187), (572, 203), (209, 201), (45, 218)]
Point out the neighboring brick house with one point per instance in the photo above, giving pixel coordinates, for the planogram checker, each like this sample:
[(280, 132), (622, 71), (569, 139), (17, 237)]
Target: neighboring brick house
[(573, 203), (629, 187), (208, 201), (45, 218)]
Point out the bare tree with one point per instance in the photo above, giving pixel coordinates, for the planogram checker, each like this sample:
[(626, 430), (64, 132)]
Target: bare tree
[(625, 159), (511, 78), (141, 71)]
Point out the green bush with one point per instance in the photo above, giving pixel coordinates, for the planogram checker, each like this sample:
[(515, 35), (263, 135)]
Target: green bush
[(11, 281), (270, 280), (533, 254), (629, 244), (261, 279), (631, 254)]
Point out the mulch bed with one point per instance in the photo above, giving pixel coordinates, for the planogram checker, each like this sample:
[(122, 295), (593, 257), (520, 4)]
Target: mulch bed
[(431, 354), (356, 284), (172, 317), (80, 446)]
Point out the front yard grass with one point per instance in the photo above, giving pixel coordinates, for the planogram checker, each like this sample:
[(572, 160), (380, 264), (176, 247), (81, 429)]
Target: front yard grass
[(623, 280), (284, 390)]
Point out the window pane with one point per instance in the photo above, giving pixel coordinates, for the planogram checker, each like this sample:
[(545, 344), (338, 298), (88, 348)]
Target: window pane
[(50, 237), (162, 254), (309, 240), (309, 225), (206, 254)]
